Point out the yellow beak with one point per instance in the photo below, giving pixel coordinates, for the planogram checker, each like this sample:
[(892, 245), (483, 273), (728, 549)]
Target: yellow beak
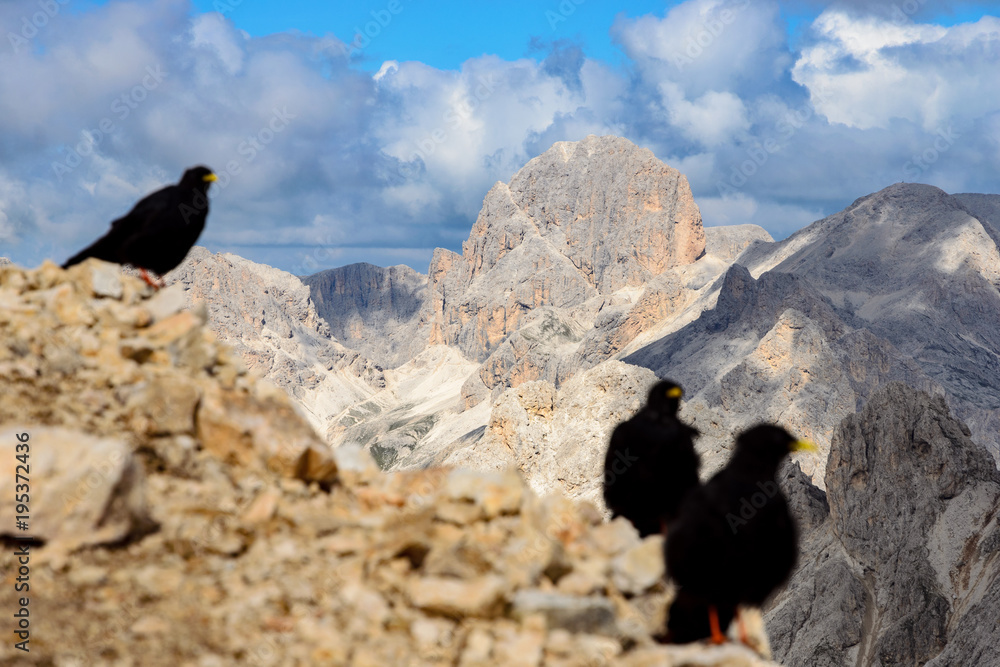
[(804, 445), (675, 392), (210, 178)]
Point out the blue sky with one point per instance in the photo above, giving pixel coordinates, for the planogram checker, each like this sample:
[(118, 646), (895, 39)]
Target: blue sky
[(335, 150)]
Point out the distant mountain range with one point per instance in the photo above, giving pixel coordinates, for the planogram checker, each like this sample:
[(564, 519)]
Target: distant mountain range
[(589, 275)]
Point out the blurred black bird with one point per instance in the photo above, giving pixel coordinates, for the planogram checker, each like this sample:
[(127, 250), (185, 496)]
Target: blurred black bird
[(733, 541), (158, 232), (651, 462)]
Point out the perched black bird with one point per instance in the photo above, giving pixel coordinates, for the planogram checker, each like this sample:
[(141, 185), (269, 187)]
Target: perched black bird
[(158, 232), (733, 541), (651, 462)]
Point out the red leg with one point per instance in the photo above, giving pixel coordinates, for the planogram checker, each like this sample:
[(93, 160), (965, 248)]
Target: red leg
[(713, 622), (149, 281)]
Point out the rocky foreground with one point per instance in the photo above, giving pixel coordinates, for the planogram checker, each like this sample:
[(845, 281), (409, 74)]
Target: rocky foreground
[(184, 513)]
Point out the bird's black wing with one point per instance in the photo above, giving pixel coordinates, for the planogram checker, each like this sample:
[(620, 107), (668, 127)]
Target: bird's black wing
[(138, 221), (147, 215)]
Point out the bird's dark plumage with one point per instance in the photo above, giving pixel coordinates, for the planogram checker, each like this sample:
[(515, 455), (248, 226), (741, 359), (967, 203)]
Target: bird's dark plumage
[(651, 462), (158, 232), (733, 541)]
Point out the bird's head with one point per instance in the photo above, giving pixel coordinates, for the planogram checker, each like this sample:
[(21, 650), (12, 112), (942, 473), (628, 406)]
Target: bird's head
[(199, 177), (768, 443), (665, 397)]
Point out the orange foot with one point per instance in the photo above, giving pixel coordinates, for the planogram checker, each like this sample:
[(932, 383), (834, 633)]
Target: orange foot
[(713, 623), (149, 281)]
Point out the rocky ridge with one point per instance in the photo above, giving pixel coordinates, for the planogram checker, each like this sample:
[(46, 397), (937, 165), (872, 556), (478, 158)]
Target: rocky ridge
[(269, 319), (899, 286), (183, 512), (901, 555), (589, 246)]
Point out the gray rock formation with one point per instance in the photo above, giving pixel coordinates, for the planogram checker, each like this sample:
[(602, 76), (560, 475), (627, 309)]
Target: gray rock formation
[(583, 219), (904, 568), (4, 260), (727, 242), (901, 285), (986, 208), (267, 316), (372, 309)]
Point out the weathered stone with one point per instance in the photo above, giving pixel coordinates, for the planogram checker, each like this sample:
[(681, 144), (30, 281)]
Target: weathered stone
[(84, 490), (640, 567), (105, 280), (592, 614), (889, 575), (477, 597)]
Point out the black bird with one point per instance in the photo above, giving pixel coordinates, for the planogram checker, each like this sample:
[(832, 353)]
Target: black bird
[(733, 541), (158, 232), (651, 462)]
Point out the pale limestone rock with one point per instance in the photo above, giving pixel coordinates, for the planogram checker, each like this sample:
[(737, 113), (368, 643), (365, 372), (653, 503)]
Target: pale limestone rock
[(372, 309), (728, 241), (640, 567), (84, 490), (269, 319), (477, 597)]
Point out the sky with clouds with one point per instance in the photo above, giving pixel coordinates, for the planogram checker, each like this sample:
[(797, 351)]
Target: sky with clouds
[(370, 131)]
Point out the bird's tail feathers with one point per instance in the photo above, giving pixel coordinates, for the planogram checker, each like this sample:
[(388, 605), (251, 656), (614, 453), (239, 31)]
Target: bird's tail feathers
[(102, 248)]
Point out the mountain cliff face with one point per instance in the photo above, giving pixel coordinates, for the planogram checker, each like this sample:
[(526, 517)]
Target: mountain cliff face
[(590, 245), (986, 208), (901, 557), (582, 219), (372, 309), (902, 285), (267, 316), (183, 512)]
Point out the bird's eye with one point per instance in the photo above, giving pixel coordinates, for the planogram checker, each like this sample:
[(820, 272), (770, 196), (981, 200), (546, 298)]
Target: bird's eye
[(675, 392)]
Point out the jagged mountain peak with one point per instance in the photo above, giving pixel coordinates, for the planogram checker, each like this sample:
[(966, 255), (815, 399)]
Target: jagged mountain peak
[(619, 213)]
